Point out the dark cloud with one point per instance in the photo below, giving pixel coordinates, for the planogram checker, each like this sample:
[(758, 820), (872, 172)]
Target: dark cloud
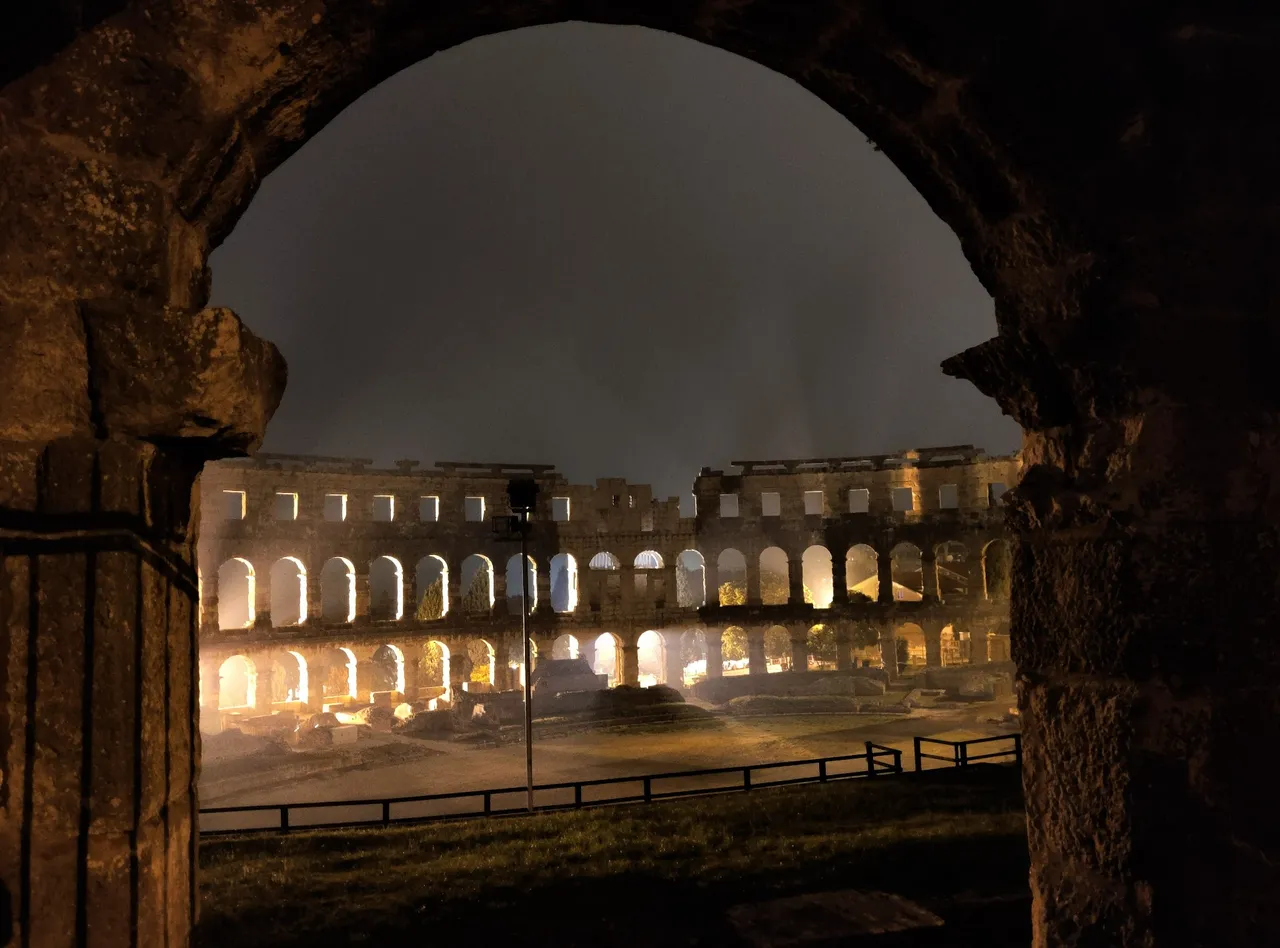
[(611, 249)]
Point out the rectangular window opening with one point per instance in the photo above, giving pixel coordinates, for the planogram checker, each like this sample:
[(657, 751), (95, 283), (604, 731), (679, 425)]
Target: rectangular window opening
[(771, 504), (429, 509), (335, 507), (286, 506), (995, 494), (728, 505), (560, 509), (949, 496), (473, 508), (859, 500), (384, 508), (813, 504), (233, 504), (904, 499)]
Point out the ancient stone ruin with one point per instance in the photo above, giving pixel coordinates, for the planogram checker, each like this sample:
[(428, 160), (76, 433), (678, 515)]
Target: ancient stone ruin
[(1110, 173)]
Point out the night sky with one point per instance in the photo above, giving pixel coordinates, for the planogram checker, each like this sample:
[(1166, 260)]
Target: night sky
[(610, 249)]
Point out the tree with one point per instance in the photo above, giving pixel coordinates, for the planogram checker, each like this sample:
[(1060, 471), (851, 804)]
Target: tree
[(477, 595), (777, 644), (774, 588), (433, 664), (733, 644), (431, 605), (822, 643), (478, 653), (693, 647)]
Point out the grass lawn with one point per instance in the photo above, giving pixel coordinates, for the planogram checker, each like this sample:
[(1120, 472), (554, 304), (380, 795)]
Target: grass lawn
[(634, 875)]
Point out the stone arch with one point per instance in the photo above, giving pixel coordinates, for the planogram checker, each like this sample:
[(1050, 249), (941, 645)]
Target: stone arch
[(816, 565), (435, 667), (386, 671), (608, 658), (237, 683), (907, 570), (604, 560), (290, 678), (288, 592), (386, 588), (482, 661), (564, 583), (236, 592), (735, 650), (822, 647), (648, 559), (514, 589), (693, 656), (338, 590), (910, 641), (731, 569), (432, 575), (691, 580), (956, 647), (565, 646), (335, 675), (651, 658), (996, 570), (476, 574), (777, 649), (952, 563), (862, 572), (775, 579)]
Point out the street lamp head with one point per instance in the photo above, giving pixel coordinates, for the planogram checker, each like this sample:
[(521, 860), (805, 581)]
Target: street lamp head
[(522, 494)]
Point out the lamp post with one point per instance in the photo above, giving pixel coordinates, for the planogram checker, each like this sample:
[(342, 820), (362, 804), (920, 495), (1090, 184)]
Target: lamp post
[(522, 494)]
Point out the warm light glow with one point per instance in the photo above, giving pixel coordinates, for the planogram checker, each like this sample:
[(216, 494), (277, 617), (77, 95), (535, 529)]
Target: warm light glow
[(237, 683), (236, 592)]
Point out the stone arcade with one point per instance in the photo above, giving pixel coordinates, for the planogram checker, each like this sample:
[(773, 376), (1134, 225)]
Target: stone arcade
[(1110, 172), (314, 572)]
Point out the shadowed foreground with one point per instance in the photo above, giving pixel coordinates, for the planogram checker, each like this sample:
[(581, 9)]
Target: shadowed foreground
[(660, 874)]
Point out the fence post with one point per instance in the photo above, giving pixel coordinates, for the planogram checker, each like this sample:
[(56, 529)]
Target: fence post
[(386, 812), (897, 761), (488, 803), (577, 795), (1017, 749), (919, 764), (648, 790), (822, 771), (871, 760), (284, 817), (746, 778), (962, 754)]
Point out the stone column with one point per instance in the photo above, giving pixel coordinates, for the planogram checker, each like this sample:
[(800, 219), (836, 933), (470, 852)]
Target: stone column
[(839, 577), (753, 581), (674, 666), (630, 660), (209, 601), (844, 646), (361, 580), (795, 580), (587, 650), (932, 642), (799, 648), (711, 579), (889, 650), (884, 574), (929, 574), (715, 653), (412, 672), (757, 661), (315, 595), (409, 591)]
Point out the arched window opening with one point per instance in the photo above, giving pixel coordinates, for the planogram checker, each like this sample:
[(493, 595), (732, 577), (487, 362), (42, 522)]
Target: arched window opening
[(823, 650), (338, 590), (777, 649), (432, 573), (386, 588), (515, 658), (477, 584), (604, 560), (514, 590), (290, 679), (336, 678), (435, 666), (735, 651), (237, 683), (387, 671), (608, 657), (907, 572), (911, 647), (953, 570), (651, 659), (235, 594), (564, 583), (566, 646), (862, 573), (649, 559), (691, 586), (775, 583), (996, 570), (288, 592), (732, 567), (816, 569), (956, 648), (482, 662), (693, 657)]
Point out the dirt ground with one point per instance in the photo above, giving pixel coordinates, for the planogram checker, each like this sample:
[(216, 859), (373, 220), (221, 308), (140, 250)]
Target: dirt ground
[(386, 765)]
